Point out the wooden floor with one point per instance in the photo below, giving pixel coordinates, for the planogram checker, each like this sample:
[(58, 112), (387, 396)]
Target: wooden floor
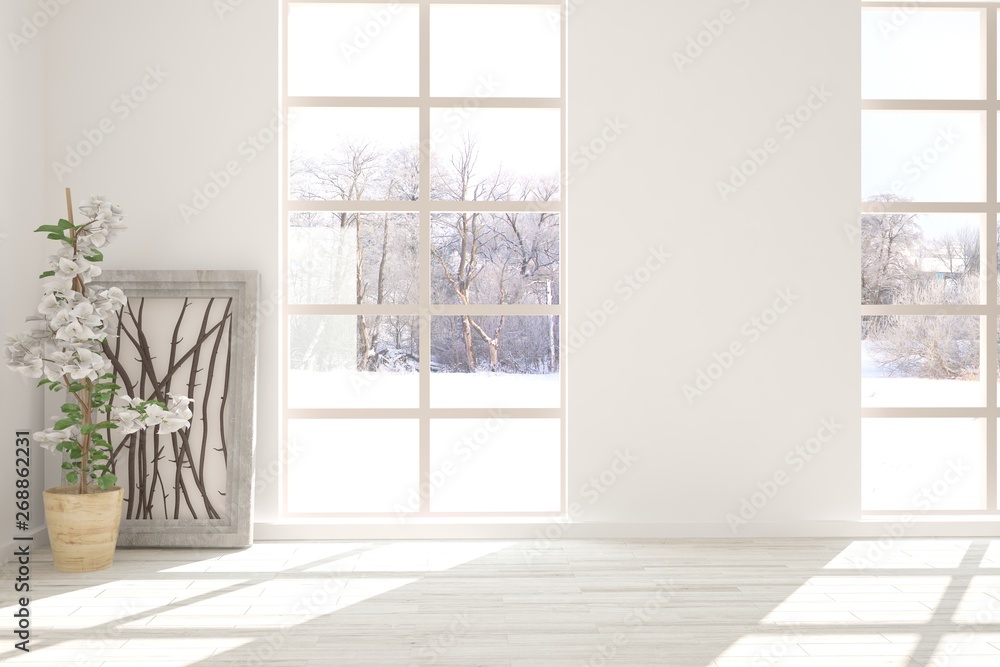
[(691, 603)]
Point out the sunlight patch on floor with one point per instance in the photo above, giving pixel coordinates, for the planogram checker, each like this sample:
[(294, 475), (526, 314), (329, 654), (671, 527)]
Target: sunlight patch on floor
[(413, 557), (891, 554)]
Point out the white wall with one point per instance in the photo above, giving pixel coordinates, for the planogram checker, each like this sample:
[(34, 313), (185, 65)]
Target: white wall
[(655, 185), (21, 258), (199, 85), (783, 229)]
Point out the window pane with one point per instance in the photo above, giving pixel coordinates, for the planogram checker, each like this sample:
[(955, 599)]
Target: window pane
[(923, 155), (922, 464), (998, 367), (343, 361), (351, 465), (918, 258), (353, 154), (495, 154), (495, 51), (920, 361), (325, 251), (922, 54), (362, 50), (495, 362), (495, 465), (495, 258)]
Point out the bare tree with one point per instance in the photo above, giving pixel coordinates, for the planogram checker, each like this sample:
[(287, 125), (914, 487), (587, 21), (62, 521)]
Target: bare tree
[(359, 171), (477, 258), (887, 244), (462, 259)]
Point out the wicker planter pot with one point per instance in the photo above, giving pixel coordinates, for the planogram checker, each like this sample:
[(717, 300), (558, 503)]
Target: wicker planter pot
[(83, 530)]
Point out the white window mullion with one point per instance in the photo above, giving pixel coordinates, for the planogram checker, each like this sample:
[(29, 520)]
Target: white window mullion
[(989, 335), (425, 255)]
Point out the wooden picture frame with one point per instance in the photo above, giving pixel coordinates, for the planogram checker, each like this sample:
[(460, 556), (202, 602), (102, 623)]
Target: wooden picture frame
[(191, 333)]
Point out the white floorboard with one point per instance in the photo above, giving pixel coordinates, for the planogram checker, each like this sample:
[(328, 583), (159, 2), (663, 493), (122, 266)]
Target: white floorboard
[(689, 603)]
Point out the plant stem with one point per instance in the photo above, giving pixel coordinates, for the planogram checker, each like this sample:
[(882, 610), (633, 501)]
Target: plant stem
[(85, 402), (85, 445)]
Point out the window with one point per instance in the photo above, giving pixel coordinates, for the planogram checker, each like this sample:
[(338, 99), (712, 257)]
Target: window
[(928, 233), (423, 242)]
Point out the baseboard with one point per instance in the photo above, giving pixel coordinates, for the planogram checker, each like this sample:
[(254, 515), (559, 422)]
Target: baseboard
[(553, 530), (40, 538)]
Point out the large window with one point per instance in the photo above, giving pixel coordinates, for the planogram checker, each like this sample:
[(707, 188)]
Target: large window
[(929, 258), (423, 244)]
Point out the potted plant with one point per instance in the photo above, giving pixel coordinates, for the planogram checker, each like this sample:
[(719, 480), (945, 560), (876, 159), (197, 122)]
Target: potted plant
[(64, 347)]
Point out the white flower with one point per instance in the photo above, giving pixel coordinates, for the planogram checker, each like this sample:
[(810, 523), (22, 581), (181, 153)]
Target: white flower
[(30, 366), (129, 421), (129, 402), (87, 315), (50, 438), (155, 415), (180, 406), (58, 283), (88, 270), (75, 331), (172, 424), (87, 364), (50, 305), (116, 296), (53, 372), (67, 267), (23, 354), (98, 238), (61, 317)]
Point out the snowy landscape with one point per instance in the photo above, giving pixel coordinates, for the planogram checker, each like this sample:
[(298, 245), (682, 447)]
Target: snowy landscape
[(922, 361)]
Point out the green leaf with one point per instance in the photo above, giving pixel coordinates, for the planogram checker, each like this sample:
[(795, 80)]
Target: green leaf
[(55, 229), (70, 407), (47, 274), (58, 237), (106, 481), (106, 386), (73, 477), (65, 224), (97, 256), (76, 386), (43, 382), (88, 429), (55, 386), (65, 423), (67, 466)]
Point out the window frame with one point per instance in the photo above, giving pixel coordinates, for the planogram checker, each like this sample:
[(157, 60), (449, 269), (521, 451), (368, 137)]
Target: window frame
[(425, 309), (989, 311)]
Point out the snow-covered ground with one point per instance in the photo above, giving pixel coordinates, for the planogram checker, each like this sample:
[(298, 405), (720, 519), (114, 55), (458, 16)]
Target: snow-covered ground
[(919, 464), (349, 389), (373, 465), (878, 390), (494, 390)]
